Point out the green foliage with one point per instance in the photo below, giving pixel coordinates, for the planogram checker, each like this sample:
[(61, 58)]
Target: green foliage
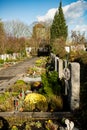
[(14, 128), (59, 47), (10, 60), (9, 51), (79, 56), (2, 98), (51, 88), (20, 82), (38, 124), (19, 86), (23, 52), (1, 61), (41, 61), (51, 126), (50, 83), (59, 27), (6, 103), (83, 57), (55, 102)]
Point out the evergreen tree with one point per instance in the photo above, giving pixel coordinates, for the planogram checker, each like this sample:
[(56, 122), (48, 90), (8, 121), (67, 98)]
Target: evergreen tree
[(59, 28)]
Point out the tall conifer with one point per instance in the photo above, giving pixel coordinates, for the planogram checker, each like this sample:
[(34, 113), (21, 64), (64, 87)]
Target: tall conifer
[(59, 28)]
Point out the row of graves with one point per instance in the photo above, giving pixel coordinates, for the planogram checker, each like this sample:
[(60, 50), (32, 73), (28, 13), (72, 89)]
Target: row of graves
[(71, 74), (13, 56), (61, 120)]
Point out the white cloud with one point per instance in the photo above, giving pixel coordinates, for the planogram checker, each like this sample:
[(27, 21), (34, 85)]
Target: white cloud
[(73, 12), (83, 28), (49, 15)]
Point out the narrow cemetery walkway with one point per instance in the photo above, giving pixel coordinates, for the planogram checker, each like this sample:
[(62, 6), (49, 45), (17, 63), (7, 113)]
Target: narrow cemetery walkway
[(9, 75)]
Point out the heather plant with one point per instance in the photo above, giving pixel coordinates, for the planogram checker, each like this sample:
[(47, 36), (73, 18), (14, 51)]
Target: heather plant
[(6, 102), (55, 103), (40, 62), (14, 128), (35, 102), (19, 86)]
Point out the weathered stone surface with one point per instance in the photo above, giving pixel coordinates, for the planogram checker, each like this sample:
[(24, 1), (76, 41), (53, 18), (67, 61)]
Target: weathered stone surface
[(54, 115), (60, 69), (56, 63), (65, 63), (74, 86), (28, 79), (73, 81)]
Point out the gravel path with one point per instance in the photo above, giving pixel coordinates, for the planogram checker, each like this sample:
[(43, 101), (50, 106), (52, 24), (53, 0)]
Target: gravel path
[(9, 75)]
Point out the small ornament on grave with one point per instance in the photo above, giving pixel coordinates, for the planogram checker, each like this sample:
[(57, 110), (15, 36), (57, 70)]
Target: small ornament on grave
[(69, 124)]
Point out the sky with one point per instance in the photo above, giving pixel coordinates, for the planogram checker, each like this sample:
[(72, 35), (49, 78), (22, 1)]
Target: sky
[(29, 11)]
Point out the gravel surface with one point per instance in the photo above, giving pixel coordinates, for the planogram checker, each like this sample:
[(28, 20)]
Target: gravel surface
[(9, 75)]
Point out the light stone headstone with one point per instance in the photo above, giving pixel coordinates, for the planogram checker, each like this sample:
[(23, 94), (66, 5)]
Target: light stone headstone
[(2, 57), (74, 94), (14, 56), (60, 68), (7, 56), (65, 63), (53, 56), (56, 63)]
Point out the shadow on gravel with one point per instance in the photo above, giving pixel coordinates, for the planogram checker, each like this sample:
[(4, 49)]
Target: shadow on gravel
[(8, 77)]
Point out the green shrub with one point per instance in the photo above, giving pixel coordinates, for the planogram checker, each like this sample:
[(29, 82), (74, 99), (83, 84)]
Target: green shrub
[(58, 47), (6, 102), (1, 61), (11, 60), (79, 56), (41, 61), (19, 86), (14, 128), (51, 83)]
